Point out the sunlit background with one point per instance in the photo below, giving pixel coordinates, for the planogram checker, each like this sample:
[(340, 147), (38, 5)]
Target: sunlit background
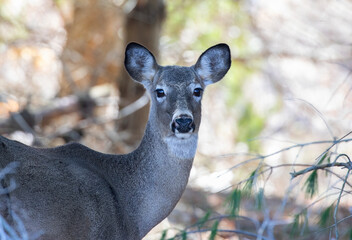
[(286, 99)]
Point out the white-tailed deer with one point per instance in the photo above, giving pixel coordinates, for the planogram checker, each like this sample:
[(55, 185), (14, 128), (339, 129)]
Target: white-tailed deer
[(73, 192)]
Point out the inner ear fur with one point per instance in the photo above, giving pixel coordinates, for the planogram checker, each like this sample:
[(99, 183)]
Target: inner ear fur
[(214, 63), (140, 63)]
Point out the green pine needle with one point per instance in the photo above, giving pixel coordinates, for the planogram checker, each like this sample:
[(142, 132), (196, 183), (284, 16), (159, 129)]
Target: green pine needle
[(300, 224), (321, 160), (214, 230), (234, 201), (260, 199), (163, 235), (326, 216), (184, 235), (311, 184), (295, 225), (247, 189), (203, 220)]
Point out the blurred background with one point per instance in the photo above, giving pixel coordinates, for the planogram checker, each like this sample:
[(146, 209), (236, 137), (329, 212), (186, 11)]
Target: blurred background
[(285, 104)]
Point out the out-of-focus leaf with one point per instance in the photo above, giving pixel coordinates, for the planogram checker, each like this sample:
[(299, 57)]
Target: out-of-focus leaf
[(250, 125)]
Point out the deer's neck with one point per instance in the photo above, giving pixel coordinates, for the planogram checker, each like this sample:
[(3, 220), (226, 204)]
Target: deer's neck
[(157, 175)]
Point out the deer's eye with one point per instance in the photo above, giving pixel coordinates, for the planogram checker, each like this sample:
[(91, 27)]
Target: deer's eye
[(160, 93), (197, 92)]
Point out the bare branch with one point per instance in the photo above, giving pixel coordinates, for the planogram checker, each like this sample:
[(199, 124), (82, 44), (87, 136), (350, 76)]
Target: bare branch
[(347, 165)]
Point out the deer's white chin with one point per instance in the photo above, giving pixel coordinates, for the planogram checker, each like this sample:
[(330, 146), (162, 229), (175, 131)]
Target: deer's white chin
[(182, 145), (183, 135)]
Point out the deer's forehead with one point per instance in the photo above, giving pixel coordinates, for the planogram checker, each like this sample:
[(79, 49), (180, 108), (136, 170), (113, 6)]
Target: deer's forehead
[(177, 77)]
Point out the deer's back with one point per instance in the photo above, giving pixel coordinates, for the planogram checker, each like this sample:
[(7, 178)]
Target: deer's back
[(59, 194)]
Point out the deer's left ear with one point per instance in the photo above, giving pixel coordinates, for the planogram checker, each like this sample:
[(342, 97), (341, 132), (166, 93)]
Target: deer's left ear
[(213, 64), (140, 63)]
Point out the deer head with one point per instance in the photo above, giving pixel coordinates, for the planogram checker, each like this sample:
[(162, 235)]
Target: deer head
[(176, 92)]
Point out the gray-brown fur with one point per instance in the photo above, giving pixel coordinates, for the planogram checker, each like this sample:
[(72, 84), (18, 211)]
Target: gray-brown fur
[(73, 192)]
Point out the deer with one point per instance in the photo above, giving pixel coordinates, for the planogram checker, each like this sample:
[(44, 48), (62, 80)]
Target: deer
[(73, 192)]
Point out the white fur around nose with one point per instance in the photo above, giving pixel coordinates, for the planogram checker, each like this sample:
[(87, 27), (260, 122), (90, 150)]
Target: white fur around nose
[(183, 135), (182, 148)]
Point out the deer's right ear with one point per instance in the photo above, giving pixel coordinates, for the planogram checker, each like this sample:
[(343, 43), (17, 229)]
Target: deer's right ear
[(214, 63), (140, 63)]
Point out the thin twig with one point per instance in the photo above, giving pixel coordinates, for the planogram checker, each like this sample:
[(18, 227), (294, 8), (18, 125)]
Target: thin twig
[(339, 198), (319, 113), (124, 112), (219, 218), (239, 232), (135, 106), (300, 145), (347, 165)]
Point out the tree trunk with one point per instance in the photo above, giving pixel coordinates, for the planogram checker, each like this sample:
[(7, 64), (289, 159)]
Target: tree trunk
[(142, 25)]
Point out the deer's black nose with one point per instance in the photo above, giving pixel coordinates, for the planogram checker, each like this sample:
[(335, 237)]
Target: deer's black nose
[(183, 124)]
